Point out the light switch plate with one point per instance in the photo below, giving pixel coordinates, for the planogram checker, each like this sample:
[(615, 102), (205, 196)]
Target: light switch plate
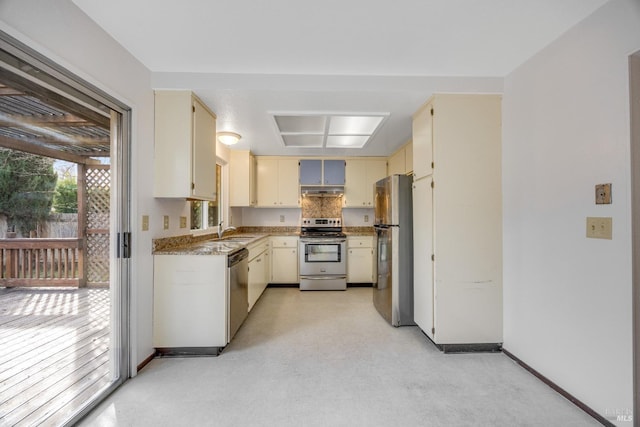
[(599, 227), (183, 222), (145, 222), (166, 222), (281, 218), (603, 194), (366, 218)]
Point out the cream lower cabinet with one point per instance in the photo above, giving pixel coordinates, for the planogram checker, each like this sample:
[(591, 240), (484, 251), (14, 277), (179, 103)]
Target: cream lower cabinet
[(458, 220), (360, 259), (277, 182), (360, 177), (190, 301), (284, 259), (258, 269)]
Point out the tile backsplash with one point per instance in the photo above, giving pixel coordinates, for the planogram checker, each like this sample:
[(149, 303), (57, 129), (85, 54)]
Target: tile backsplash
[(321, 207)]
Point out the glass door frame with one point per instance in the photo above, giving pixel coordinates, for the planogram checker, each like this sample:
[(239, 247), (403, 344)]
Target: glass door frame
[(47, 73)]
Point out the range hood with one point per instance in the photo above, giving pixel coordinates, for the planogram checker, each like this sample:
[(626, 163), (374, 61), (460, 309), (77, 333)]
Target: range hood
[(322, 190)]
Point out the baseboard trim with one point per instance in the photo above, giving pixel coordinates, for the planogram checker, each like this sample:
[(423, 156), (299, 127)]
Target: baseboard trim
[(602, 420), (145, 362)]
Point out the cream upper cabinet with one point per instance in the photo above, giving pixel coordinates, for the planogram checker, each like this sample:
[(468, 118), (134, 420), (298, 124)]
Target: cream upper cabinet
[(401, 162), (360, 176), (408, 157), (242, 178), (277, 182), (423, 141), (458, 221), (396, 163), (185, 148)]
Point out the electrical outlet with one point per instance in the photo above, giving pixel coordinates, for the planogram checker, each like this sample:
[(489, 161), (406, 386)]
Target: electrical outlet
[(183, 222), (166, 222), (599, 227), (366, 218), (603, 194), (145, 222), (281, 218)]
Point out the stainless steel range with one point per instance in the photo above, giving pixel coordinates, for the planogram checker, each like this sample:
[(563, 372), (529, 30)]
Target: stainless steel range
[(323, 263)]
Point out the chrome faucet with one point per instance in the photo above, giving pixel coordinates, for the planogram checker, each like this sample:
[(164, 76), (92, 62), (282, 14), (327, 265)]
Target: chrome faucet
[(221, 230)]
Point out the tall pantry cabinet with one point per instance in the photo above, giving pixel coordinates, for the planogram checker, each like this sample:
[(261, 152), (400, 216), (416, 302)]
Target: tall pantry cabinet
[(457, 215)]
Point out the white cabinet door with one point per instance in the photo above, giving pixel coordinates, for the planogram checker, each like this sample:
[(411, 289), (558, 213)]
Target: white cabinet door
[(284, 265), (360, 265), (423, 303), (267, 182), (397, 163), (277, 182), (242, 178), (256, 279), (184, 149), (204, 153), (423, 141), (355, 183), (408, 157), (190, 301), (360, 259), (360, 177), (284, 259), (288, 183)]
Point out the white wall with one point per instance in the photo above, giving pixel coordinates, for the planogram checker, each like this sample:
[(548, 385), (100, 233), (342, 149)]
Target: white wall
[(60, 31), (567, 299)]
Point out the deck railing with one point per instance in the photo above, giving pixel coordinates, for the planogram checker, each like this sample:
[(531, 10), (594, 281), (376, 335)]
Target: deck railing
[(41, 262)]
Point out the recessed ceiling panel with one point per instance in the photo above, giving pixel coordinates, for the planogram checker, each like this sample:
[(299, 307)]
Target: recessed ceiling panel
[(354, 125), (328, 130), (347, 141), (303, 141), (301, 124)]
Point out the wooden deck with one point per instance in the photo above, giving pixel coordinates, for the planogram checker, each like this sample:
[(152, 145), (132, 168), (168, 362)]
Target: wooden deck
[(53, 352)]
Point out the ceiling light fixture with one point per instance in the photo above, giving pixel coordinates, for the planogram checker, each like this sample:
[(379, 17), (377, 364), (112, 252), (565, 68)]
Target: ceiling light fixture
[(228, 138)]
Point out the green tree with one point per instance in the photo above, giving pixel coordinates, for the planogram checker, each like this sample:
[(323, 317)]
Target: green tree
[(27, 184), (65, 199)]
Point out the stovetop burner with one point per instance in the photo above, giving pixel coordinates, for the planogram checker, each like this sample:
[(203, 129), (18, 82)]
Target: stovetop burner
[(322, 227), (324, 234)]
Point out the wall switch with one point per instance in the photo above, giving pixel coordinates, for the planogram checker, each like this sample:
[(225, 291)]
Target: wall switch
[(599, 227), (603, 194), (166, 222), (366, 218), (281, 218), (145, 222), (183, 222)]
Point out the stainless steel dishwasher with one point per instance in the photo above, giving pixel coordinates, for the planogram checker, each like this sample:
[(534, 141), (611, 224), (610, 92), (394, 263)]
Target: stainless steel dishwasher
[(238, 265)]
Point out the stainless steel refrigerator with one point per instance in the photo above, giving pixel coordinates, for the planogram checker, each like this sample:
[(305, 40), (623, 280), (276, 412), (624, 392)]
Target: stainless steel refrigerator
[(393, 292)]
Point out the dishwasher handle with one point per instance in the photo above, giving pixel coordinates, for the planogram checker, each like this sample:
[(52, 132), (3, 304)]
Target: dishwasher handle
[(237, 256)]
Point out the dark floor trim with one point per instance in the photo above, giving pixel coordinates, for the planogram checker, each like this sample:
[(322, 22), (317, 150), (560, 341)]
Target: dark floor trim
[(145, 362), (188, 351), (283, 285), (602, 420)]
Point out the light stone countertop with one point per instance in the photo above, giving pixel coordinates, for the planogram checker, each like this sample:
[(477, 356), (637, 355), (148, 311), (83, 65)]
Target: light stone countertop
[(214, 246)]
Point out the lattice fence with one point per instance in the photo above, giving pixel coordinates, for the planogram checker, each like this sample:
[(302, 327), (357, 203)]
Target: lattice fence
[(98, 186)]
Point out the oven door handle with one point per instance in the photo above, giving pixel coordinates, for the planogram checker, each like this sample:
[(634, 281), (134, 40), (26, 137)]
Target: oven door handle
[(322, 241), (334, 276)]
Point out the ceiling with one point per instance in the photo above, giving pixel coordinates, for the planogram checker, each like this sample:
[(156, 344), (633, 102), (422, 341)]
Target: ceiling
[(251, 60)]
